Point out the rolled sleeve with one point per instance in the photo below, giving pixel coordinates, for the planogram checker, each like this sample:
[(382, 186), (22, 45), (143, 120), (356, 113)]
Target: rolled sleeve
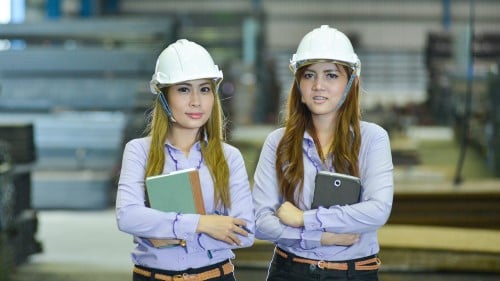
[(311, 239), (184, 226), (311, 221)]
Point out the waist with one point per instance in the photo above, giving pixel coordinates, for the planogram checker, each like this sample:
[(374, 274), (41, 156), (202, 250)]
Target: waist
[(192, 274), (366, 263)]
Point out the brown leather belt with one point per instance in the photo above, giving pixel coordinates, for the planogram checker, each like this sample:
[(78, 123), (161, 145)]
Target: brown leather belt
[(368, 264), (209, 274)]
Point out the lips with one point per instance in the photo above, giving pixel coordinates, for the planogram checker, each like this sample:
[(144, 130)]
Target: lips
[(195, 115), (319, 98)]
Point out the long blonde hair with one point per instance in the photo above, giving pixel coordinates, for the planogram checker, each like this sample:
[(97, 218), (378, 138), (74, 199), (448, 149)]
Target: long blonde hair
[(212, 150), (345, 145)]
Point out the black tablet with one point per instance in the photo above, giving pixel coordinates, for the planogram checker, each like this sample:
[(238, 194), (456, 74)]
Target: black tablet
[(335, 189)]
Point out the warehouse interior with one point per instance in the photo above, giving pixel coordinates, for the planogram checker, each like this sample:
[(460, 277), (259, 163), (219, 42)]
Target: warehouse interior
[(74, 88)]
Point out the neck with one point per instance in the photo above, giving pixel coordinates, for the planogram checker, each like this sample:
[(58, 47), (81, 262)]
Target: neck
[(324, 126), (182, 139), (325, 132)]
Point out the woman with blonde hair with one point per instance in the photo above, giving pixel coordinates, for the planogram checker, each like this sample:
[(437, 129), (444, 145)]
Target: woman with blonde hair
[(185, 131), (323, 131)]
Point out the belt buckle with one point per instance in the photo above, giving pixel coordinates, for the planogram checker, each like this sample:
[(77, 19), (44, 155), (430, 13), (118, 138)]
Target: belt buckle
[(321, 264), (179, 277)]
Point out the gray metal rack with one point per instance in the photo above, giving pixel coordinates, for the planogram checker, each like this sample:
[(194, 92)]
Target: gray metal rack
[(73, 83)]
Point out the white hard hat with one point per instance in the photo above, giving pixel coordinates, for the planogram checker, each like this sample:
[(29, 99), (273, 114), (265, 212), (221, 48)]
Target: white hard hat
[(325, 43), (182, 61)]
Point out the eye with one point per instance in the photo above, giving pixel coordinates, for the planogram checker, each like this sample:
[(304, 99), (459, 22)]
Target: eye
[(206, 90), (332, 75), (308, 75), (183, 89)]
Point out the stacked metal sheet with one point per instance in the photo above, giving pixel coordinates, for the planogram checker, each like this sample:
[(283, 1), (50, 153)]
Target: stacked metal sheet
[(85, 145), (77, 82), (18, 221)]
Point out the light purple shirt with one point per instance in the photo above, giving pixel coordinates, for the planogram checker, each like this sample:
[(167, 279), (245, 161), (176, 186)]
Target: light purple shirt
[(376, 173), (136, 219)]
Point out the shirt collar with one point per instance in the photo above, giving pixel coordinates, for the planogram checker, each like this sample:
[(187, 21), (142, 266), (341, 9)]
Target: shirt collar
[(308, 138)]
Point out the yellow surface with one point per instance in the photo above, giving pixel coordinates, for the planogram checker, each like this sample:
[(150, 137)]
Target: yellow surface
[(440, 238), (430, 238)]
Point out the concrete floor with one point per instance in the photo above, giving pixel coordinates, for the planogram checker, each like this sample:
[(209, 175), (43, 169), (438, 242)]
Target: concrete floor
[(78, 245), (86, 245)]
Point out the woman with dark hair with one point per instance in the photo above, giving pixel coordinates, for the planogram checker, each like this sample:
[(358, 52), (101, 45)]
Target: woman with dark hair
[(323, 130)]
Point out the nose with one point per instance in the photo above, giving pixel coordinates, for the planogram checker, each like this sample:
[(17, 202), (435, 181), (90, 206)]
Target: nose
[(195, 99), (317, 84)]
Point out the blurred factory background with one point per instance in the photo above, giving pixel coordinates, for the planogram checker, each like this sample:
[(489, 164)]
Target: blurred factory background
[(74, 80)]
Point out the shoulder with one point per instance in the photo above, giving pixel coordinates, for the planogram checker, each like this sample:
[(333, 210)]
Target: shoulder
[(231, 152), (230, 149), (275, 136), (273, 139), (138, 144), (372, 131), (370, 128)]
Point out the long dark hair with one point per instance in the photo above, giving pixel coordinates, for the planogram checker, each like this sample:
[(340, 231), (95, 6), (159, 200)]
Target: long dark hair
[(344, 147)]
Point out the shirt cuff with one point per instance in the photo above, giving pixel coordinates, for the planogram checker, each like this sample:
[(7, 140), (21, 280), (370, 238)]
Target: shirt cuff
[(311, 221), (184, 226), (311, 239)]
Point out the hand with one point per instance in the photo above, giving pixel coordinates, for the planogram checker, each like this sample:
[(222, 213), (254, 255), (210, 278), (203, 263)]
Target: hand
[(223, 228), (290, 215), (330, 238)]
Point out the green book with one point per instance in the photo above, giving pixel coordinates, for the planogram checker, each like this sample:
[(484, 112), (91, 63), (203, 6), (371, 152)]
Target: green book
[(178, 191)]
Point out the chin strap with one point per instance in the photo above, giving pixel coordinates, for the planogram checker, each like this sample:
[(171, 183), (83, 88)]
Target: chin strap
[(165, 106), (346, 91)]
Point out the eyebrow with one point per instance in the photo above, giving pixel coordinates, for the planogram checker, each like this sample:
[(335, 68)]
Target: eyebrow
[(189, 84)]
